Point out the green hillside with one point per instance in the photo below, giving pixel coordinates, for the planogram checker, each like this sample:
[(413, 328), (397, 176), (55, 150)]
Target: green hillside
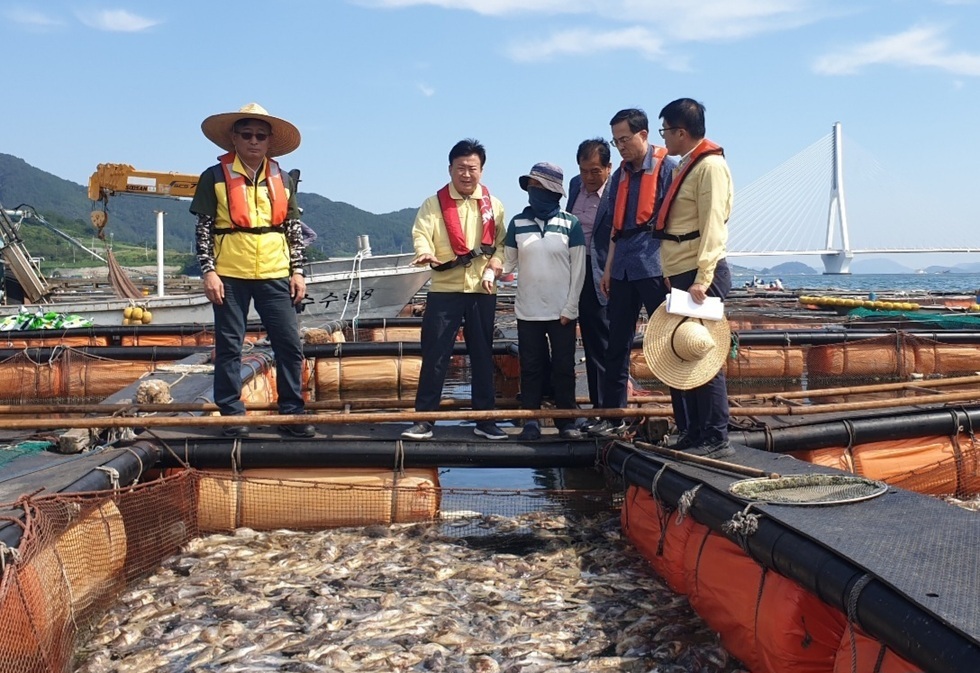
[(132, 220)]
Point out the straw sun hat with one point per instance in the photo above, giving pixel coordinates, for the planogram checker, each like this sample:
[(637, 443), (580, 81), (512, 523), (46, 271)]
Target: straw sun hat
[(685, 352), (285, 137)]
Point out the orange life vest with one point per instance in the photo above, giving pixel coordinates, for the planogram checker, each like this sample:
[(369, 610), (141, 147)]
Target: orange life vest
[(704, 148), (450, 215), (236, 187), (649, 183)]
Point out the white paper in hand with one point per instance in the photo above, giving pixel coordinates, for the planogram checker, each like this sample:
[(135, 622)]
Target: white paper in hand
[(680, 302)]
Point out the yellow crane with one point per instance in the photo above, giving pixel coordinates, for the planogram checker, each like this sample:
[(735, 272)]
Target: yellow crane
[(111, 179)]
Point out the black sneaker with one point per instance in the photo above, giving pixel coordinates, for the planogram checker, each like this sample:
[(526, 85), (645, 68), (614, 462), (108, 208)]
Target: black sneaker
[(240, 431), (531, 432), (489, 430), (609, 428), (588, 423), (421, 430), (712, 449), (304, 430), (571, 432)]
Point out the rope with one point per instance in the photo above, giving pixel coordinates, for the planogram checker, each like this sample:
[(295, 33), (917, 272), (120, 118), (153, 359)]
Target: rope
[(236, 455), (852, 599), (656, 480), (849, 449), (399, 456), (685, 502), (4, 551), (355, 273), (183, 462), (113, 476), (139, 461), (743, 525)]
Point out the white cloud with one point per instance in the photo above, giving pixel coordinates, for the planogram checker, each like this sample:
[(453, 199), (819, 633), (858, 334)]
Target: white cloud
[(426, 90), (489, 7), (639, 26), (586, 42), (923, 47), (116, 20), (32, 19)]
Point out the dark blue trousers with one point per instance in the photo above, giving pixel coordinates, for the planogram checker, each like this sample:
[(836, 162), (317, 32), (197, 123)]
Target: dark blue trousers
[(626, 297), (593, 321), (444, 313), (702, 412), (275, 308), (541, 342)]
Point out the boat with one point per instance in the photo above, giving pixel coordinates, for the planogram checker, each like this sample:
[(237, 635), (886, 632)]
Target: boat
[(370, 286), (342, 288)]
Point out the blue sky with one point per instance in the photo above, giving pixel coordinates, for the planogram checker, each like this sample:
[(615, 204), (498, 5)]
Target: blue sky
[(381, 89)]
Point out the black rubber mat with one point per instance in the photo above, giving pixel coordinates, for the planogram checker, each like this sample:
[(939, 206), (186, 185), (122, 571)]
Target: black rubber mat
[(922, 547)]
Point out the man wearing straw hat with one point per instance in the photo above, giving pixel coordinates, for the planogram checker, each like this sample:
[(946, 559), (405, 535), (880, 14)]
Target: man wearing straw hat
[(250, 247), (692, 225)]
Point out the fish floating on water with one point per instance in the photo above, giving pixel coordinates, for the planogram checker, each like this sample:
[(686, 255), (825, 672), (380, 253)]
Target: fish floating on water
[(476, 593)]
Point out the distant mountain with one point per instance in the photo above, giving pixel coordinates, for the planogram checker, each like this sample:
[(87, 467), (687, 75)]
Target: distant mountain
[(877, 266), (132, 219), (791, 269)]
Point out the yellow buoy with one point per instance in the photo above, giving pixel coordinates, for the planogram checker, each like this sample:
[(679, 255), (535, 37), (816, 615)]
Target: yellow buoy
[(128, 312), (147, 317), (137, 314)]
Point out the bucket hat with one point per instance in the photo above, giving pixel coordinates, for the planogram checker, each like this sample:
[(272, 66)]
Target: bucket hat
[(549, 175), (685, 352), (285, 137)]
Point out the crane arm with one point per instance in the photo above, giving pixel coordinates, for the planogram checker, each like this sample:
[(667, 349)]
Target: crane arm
[(110, 179)]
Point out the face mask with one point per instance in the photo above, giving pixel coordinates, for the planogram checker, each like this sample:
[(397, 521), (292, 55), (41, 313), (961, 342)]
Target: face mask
[(543, 203)]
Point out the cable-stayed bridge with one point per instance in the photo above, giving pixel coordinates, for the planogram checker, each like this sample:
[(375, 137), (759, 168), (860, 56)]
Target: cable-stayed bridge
[(787, 211)]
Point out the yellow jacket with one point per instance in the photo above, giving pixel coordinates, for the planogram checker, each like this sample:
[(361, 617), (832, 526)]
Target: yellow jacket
[(429, 236)]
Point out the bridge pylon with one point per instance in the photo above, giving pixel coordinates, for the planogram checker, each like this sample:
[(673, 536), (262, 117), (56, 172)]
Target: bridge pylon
[(839, 262)]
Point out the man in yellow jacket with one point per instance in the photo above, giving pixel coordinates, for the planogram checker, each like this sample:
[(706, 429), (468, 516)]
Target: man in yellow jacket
[(250, 246), (459, 232)]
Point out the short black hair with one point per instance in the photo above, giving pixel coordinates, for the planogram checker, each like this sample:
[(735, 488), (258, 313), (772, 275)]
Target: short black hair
[(242, 123), (588, 148), (685, 113), (636, 118), (467, 147)]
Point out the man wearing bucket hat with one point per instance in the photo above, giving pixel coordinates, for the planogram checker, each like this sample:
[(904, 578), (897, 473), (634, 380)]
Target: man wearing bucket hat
[(547, 246), (249, 243), (692, 224), (459, 232)]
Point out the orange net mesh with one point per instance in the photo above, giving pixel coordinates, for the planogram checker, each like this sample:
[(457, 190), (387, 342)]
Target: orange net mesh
[(79, 553), (69, 376)]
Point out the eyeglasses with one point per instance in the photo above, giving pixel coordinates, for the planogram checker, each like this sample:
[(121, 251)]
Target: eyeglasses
[(248, 135), (619, 142), (663, 131)]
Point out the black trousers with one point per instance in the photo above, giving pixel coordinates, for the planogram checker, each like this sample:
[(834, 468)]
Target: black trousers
[(702, 412), (444, 313), (625, 299), (275, 308), (593, 321), (539, 343)]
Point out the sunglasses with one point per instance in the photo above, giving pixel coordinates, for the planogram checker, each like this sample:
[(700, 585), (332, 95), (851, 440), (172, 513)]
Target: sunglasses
[(248, 135)]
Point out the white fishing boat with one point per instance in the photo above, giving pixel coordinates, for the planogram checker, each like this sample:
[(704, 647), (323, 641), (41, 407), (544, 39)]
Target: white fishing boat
[(364, 286), (345, 288)]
